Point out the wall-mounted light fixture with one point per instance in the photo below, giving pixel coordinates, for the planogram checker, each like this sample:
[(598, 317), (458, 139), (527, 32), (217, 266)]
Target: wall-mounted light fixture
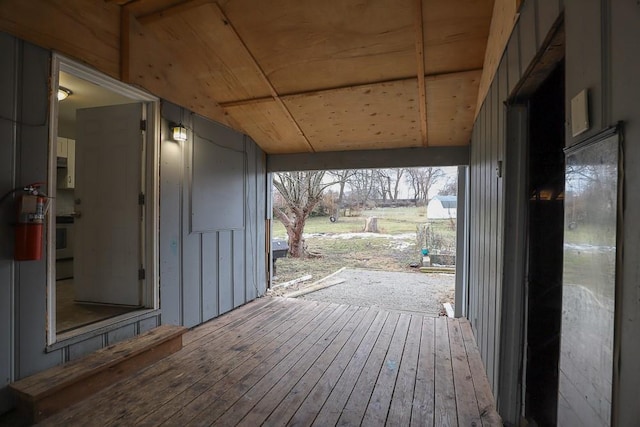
[(63, 93), (178, 132)]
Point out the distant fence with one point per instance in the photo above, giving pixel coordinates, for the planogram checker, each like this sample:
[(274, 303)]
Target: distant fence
[(398, 203)]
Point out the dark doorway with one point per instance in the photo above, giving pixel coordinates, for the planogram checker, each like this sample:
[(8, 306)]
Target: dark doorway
[(545, 248)]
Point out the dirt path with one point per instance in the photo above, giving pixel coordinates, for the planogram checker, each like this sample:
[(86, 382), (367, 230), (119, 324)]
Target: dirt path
[(406, 292)]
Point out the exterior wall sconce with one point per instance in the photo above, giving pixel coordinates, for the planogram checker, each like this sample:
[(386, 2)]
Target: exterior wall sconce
[(178, 132), (63, 93)]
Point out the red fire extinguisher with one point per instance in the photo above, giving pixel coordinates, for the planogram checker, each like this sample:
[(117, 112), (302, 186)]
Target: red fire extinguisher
[(32, 208)]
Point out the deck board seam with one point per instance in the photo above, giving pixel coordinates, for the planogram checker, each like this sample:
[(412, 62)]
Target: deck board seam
[(340, 308), (326, 368)]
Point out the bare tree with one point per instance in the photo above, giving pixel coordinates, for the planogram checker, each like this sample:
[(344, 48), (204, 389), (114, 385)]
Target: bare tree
[(388, 182), (383, 181), (300, 192), (395, 179), (363, 185), (342, 178), (450, 187), (421, 180)]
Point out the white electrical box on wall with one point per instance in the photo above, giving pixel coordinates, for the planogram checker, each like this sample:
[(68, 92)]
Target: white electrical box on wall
[(580, 113)]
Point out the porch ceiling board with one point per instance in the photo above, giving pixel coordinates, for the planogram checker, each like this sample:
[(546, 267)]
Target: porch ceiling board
[(140, 8), (312, 45), (303, 76), (266, 121), (455, 34), (87, 30), (149, 63), (207, 53), (452, 99), (217, 57), (505, 15), (356, 118)]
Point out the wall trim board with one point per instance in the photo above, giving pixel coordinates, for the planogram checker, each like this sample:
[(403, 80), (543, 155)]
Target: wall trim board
[(365, 159), (462, 245), (551, 52), (149, 185), (606, 63), (9, 76), (109, 325), (214, 181), (509, 391)]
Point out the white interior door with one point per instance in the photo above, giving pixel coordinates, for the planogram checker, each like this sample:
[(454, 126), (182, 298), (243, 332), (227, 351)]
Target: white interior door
[(107, 247)]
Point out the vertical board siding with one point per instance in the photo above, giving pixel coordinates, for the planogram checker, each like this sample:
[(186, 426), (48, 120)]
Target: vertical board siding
[(188, 263), (239, 254), (473, 237), (120, 334), (485, 209), (170, 251), (548, 12), (473, 226), (8, 82), (625, 63), (24, 158), (191, 244), (218, 269), (512, 59), (528, 34), (583, 29), (31, 166), (92, 344), (503, 85), (493, 215), (145, 325), (225, 271), (209, 276), (486, 231), (251, 245), (487, 202)]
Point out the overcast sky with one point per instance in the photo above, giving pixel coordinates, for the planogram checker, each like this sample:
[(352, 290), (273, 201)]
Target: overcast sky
[(451, 172)]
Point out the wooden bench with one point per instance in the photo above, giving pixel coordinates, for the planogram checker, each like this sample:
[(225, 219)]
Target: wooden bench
[(47, 392)]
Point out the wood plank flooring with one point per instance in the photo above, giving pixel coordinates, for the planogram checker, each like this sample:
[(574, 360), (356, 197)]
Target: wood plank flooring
[(288, 362)]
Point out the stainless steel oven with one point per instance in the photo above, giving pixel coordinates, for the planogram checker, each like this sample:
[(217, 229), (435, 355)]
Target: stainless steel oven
[(64, 237)]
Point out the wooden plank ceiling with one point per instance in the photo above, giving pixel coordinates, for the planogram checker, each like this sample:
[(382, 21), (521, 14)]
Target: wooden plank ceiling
[(310, 76)]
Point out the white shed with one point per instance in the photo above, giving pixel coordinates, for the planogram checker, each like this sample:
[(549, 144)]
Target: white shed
[(442, 207)]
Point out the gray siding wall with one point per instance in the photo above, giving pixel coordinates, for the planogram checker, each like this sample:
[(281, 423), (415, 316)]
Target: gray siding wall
[(486, 225), (24, 132), (601, 56), (489, 171), (202, 275), (623, 104), (205, 274)]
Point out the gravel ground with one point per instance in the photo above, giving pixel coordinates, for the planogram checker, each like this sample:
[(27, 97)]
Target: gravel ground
[(422, 293)]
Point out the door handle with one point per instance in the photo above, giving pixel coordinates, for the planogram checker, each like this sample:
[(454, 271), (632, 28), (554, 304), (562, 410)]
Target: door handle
[(76, 214)]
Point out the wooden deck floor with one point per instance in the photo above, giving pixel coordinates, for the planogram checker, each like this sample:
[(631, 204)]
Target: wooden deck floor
[(280, 361)]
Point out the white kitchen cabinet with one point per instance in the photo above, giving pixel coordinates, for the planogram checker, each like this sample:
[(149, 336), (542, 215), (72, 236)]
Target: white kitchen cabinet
[(67, 175), (62, 150)]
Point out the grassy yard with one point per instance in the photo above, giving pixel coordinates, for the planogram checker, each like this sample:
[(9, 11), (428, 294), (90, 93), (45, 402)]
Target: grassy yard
[(393, 250), (390, 221)]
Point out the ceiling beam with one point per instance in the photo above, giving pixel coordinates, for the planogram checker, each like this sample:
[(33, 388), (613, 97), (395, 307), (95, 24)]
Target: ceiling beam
[(162, 9), (368, 159), (266, 80), (158, 17), (125, 45), (250, 101), (422, 88), (147, 62)]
